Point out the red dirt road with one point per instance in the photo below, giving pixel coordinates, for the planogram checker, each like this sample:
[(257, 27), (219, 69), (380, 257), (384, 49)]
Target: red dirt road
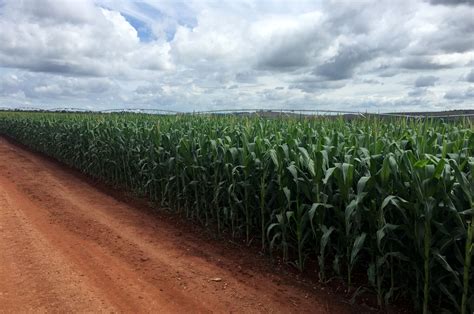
[(66, 246)]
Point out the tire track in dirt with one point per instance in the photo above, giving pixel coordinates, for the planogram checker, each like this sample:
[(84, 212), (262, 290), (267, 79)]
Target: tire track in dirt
[(66, 246)]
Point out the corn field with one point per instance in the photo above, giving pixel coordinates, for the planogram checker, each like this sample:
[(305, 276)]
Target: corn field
[(392, 200)]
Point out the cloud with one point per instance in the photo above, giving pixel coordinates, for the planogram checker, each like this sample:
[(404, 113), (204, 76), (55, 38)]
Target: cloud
[(311, 84), (445, 30), (372, 81), (68, 88), (73, 38), (422, 63), (288, 44), (417, 92), (457, 94), (342, 66), (195, 54), (424, 81), (470, 76), (248, 76), (10, 85), (452, 2)]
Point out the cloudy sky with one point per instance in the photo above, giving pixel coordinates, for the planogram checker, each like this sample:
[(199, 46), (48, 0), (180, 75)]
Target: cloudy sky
[(376, 56)]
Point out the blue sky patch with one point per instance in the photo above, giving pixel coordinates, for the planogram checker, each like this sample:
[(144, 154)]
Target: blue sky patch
[(144, 31), (148, 10)]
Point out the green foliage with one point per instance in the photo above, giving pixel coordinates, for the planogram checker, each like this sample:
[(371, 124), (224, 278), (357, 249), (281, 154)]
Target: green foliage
[(390, 198)]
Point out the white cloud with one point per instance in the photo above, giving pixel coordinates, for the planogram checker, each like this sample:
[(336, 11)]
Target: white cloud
[(192, 55), (424, 81), (73, 38)]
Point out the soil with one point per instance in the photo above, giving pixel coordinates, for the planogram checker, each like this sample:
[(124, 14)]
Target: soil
[(69, 245)]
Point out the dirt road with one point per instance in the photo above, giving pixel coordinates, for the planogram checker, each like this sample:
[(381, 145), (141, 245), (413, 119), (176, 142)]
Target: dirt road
[(66, 246)]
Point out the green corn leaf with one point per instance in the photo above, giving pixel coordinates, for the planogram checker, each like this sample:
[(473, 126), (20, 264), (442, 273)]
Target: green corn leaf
[(293, 171), (363, 182), (329, 174), (274, 157), (358, 244), (421, 163)]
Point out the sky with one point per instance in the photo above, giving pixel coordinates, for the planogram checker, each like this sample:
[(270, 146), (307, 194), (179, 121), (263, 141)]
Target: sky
[(374, 56)]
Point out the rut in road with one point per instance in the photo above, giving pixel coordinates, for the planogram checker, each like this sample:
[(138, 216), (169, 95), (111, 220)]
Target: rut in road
[(67, 246)]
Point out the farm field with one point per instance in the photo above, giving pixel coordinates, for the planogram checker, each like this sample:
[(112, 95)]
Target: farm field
[(384, 205), (68, 247)]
